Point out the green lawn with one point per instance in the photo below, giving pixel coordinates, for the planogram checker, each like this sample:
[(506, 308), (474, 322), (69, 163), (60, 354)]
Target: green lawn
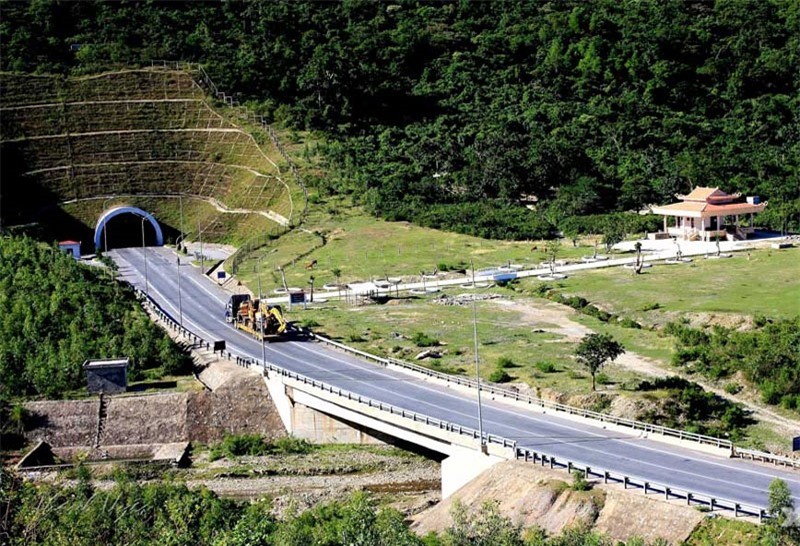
[(363, 248), (767, 284)]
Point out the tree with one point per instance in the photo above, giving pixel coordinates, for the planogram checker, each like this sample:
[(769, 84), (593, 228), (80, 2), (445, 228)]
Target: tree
[(594, 350), (613, 233), (783, 527)]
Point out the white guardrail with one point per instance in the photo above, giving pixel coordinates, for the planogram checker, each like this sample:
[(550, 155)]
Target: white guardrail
[(520, 453), (571, 410)]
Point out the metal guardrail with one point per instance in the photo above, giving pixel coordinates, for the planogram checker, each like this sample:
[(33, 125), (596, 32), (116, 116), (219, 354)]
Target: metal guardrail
[(370, 402), (519, 452), (532, 400), (571, 410), (646, 486), (756, 455)]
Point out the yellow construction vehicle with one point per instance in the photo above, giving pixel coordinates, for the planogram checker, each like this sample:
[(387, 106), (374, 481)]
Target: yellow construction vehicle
[(256, 317)]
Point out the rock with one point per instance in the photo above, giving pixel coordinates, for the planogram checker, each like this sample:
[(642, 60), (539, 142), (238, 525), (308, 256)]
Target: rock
[(428, 354)]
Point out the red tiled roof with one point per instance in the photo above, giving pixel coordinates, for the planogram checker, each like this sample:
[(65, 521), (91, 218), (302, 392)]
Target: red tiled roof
[(69, 242), (701, 194)]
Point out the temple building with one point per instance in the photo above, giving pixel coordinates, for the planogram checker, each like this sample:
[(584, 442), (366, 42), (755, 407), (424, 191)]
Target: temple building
[(708, 213)]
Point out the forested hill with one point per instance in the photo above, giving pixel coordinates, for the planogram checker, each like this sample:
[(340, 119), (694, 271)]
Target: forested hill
[(453, 114)]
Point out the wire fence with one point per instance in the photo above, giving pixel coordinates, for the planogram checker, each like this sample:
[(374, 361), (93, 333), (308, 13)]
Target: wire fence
[(248, 115)]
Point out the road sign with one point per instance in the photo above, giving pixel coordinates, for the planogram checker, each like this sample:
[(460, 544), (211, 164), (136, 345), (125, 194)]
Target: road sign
[(220, 274), (796, 443), (297, 297), (219, 346)]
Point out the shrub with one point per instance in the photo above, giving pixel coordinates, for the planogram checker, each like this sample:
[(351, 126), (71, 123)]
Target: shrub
[(505, 362), (241, 444), (596, 312), (355, 338), (651, 306), (603, 379), (545, 366), (421, 339), (579, 482), (733, 388), (630, 323), (290, 444), (499, 376)]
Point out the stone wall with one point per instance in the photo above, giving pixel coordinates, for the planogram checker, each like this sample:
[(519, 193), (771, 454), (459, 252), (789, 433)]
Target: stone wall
[(63, 423), (239, 404)]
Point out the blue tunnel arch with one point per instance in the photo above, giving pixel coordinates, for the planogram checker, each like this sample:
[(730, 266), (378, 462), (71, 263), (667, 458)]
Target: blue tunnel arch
[(116, 211)]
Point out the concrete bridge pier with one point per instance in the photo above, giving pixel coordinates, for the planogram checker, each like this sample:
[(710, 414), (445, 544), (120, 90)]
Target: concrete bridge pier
[(321, 417)]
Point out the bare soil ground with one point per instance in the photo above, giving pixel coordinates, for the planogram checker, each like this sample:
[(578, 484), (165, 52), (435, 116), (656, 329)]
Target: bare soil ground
[(556, 318), (532, 495)]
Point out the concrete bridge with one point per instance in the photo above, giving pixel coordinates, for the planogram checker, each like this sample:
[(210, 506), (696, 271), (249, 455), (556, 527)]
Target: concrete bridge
[(324, 392)]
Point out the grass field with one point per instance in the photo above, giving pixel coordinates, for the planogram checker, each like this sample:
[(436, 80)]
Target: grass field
[(388, 330), (364, 248), (767, 284)]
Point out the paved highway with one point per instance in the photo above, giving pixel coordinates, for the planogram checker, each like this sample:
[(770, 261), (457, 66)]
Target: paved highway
[(203, 310)]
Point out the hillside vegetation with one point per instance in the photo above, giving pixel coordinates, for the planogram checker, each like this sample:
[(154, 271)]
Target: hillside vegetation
[(135, 134), (454, 114), (56, 313)]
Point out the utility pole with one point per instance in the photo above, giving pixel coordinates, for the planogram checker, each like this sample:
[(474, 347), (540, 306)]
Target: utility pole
[(144, 252), (200, 236), (477, 374), (263, 318), (178, 253)]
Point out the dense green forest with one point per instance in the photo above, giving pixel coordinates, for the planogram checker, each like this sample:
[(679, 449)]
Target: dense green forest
[(456, 114), (170, 514), (55, 313)]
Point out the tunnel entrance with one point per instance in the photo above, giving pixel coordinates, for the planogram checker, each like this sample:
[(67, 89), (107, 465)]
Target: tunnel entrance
[(121, 227)]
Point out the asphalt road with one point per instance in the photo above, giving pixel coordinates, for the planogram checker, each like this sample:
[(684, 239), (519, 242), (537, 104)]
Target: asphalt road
[(203, 306)]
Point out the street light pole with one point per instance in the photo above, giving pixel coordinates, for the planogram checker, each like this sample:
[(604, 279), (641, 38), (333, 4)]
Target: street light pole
[(263, 318), (144, 252), (180, 299), (477, 375), (200, 236), (178, 254)]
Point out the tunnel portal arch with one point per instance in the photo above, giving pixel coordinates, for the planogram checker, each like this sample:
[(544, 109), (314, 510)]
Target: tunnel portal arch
[(116, 211)]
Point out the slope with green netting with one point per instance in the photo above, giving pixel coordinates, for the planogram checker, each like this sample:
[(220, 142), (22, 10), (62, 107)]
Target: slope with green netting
[(138, 134)]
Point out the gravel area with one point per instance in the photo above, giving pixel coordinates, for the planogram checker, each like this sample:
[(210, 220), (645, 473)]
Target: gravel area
[(409, 483)]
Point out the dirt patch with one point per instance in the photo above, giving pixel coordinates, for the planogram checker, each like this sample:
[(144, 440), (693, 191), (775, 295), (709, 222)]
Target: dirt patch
[(627, 515), (531, 495), (550, 317), (523, 492)]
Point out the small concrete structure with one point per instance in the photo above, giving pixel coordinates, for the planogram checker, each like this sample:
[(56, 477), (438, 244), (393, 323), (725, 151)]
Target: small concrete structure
[(107, 376), (708, 213), (73, 248)]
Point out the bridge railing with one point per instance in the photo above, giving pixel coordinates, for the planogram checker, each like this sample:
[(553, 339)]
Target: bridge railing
[(570, 410), (372, 403), (532, 400), (523, 453), (156, 309), (647, 486)]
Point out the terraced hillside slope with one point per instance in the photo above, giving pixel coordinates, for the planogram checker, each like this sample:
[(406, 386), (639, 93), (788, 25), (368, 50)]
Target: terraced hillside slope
[(145, 134)]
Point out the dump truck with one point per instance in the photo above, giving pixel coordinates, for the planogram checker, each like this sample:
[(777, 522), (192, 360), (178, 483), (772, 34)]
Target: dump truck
[(256, 317)]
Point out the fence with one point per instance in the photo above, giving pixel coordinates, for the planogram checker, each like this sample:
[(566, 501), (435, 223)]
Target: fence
[(525, 454), (250, 116), (571, 410), (646, 486)]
